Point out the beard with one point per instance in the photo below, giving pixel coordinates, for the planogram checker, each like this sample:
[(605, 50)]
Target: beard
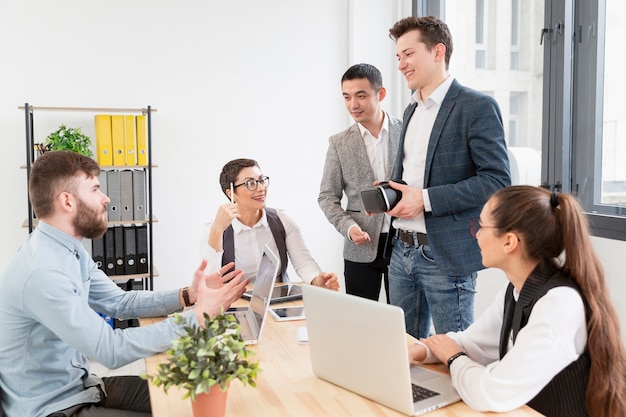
[(89, 222)]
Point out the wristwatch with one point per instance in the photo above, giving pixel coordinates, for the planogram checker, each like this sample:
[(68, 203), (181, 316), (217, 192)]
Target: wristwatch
[(453, 357), (186, 297)]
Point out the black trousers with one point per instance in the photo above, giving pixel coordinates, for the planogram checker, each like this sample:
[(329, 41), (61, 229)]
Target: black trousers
[(127, 396), (364, 279)]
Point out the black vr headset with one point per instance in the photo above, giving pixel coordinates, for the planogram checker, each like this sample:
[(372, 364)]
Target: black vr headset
[(381, 198)]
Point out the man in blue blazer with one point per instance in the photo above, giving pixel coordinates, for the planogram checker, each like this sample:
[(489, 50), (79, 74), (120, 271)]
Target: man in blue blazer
[(453, 156), (356, 157)]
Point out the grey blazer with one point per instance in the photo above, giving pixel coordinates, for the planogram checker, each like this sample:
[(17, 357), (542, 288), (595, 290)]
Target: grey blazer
[(347, 170), (466, 162)]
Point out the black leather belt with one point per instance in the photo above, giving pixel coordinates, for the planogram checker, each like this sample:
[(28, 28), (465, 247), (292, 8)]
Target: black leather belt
[(412, 238)]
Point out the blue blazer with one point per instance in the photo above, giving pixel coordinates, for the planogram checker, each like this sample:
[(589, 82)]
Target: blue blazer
[(466, 162)]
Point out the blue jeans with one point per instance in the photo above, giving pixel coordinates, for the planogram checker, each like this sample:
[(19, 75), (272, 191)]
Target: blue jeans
[(419, 287)]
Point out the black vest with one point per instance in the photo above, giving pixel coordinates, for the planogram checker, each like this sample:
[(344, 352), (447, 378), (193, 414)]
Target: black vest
[(278, 231), (564, 396)]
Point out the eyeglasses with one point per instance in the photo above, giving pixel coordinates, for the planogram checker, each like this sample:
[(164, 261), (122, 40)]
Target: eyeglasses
[(252, 184), (475, 226)]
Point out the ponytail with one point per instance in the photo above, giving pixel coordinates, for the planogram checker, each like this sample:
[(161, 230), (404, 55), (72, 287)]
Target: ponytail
[(552, 225)]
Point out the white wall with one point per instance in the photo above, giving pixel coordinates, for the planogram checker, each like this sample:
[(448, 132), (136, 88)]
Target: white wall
[(230, 79), (246, 78)]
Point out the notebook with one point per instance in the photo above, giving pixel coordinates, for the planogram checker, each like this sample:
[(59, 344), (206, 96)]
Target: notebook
[(361, 345), (253, 317)]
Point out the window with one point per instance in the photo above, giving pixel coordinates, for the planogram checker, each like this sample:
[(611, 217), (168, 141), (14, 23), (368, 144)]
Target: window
[(515, 34), (560, 99), (599, 148), (481, 34), (518, 91), (514, 109)]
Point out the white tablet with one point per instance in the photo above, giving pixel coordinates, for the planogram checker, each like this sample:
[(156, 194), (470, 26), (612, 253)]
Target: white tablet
[(287, 313)]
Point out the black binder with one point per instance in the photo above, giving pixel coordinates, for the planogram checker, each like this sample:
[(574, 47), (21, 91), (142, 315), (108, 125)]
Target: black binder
[(109, 252), (119, 250), (130, 253), (142, 249), (97, 252)]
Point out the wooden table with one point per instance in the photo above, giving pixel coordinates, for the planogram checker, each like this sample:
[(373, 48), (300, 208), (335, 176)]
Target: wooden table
[(287, 386)]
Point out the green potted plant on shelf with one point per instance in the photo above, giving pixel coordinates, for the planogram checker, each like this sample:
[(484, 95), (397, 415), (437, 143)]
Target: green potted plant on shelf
[(204, 361), (68, 138)]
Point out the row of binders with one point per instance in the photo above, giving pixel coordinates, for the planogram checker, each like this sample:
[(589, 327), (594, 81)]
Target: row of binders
[(123, 250), (121, 140), (127, 191)]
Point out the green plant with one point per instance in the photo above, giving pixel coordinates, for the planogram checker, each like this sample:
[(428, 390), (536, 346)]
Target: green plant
[(204, 357), (69, 138)]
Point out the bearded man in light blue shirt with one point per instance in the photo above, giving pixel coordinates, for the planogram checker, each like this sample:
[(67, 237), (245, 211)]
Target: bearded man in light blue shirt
[(48, 294)]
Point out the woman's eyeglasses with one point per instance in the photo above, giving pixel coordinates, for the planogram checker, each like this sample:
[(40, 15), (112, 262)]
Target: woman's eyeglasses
[(252, 184), (475, 226)]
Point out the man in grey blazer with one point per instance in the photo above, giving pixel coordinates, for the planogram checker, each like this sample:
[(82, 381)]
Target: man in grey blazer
[(453, 156), (356, 158)]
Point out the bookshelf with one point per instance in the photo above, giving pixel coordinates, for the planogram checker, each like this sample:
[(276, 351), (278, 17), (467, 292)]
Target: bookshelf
[(146, 275)]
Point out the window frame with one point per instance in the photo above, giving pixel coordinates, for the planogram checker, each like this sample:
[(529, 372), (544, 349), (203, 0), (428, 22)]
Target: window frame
[(572, 106)]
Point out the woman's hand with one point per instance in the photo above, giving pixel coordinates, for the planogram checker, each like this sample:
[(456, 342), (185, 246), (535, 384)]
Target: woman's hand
[(442, 346)]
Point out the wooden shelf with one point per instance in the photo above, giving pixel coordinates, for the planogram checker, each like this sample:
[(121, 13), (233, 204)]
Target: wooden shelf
[(90, 109), (145, 275), (120, 223), (109, 167)]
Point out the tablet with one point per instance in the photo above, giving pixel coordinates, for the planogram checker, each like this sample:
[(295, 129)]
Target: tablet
[(282, 292), (287, 313)]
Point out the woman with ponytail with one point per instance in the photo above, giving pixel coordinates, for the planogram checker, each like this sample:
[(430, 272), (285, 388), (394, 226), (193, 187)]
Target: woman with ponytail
[(552, 337)]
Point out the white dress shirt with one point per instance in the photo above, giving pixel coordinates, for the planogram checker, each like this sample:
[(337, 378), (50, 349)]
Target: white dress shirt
[(249, 242), (416, 142), (378, 153)]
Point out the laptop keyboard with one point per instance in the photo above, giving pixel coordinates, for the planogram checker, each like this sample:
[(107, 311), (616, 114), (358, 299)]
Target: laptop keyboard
[(421, 393)]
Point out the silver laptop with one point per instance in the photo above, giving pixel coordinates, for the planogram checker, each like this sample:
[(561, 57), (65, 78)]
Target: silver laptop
[(252, 318), (361, 345)]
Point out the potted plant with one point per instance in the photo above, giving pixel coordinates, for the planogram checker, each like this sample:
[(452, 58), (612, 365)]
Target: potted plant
[(204, 360), (68, 138)]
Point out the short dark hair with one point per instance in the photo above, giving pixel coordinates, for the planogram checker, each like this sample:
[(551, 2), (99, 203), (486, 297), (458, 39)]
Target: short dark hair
[(55, 172), (432, 30), (231, 170), (368, 71)]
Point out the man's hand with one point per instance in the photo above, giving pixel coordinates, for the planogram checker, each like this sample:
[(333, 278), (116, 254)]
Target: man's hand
[(326, 280), (411, 203), (212, 281), (215, 292), (358, 236)]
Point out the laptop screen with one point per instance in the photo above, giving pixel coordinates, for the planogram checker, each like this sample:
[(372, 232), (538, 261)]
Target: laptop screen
[(268, 268)]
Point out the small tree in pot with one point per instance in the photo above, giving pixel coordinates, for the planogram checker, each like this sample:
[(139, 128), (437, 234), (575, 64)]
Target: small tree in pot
[(207, 359)]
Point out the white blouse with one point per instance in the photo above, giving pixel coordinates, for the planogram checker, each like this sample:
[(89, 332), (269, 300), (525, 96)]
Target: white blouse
[(554, 337), (249, 242)]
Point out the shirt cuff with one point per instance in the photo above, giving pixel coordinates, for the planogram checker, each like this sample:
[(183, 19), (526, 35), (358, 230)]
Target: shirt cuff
[(427, 206), (350, 228)]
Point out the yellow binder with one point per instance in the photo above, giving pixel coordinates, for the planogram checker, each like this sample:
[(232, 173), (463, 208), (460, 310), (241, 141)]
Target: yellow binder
[(104, 144), (117, 135), (142, 141), (130, 141)]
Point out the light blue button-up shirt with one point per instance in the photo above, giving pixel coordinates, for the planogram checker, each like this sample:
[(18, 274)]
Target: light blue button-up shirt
[(48, 326)]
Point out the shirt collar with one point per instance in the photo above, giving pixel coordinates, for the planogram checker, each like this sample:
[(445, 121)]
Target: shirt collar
[(71, 243), (238, 226), (385, 127), (437, 96)]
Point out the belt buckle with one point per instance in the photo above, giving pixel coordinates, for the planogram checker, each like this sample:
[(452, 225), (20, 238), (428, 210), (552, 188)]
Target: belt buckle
[(406, 237)]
